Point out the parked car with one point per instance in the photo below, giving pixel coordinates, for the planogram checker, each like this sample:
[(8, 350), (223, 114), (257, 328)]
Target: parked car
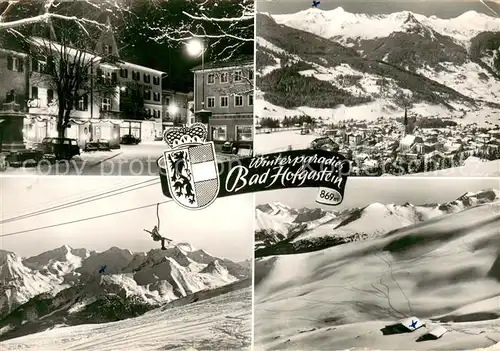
[(324, 143), (59, 148), (129, 139), (50, 148), (304, 131)]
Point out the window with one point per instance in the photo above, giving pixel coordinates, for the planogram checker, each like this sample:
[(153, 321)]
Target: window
[(50, 96), (238, 100), (114, 77), (106, 49), (34, 65), (106, 104), (123, 72), (83, 104), (136, 75), (211, 78), (219, 133), (224, 77), (211, 101), (34, 92), (156, 96), (156, 80), (157, 113), (238, 76), (147, 78), (250, 74), (250, 100), (14, 64), (244, 133), (147, 94), (108, 77), (224, 101)]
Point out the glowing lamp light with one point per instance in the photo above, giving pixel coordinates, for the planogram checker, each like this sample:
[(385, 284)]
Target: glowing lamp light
[(194, 47), (173, 109)]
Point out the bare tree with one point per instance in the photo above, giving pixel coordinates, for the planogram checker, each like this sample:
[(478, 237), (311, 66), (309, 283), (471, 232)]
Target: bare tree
[(10, 20), (227, 23), (76, 76)]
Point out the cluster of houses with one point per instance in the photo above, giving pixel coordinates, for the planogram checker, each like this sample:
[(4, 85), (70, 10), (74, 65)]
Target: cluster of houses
[(371, 145)]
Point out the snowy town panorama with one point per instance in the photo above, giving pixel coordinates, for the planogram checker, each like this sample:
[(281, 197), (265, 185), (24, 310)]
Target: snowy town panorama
[(396, 87), (91, 91), (403, 146)]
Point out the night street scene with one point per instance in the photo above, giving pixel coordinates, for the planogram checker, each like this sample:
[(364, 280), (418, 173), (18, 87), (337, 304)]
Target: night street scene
[(90, 87)]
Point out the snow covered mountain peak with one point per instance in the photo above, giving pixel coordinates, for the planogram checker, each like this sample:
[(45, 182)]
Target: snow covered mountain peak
[(344, 26)]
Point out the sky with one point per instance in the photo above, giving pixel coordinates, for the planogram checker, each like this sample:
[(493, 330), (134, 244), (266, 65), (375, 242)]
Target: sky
[(439, 8), (360, 192), (225, 229)]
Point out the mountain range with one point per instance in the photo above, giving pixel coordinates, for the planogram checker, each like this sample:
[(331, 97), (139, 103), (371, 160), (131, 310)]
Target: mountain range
[(343, 65), (67, 286), (280, 229)]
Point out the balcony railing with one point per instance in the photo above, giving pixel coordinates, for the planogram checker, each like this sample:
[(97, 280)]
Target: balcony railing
[(11, 106), (106, 114)]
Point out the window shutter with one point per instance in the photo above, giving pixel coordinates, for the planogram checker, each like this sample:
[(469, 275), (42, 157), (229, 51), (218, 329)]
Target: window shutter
[(34, 65), (85, 102), (9, 63), (20, 64), (50, 95), (114, 77)]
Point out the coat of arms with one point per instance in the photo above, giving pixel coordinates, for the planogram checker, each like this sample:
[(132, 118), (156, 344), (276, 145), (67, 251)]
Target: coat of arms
[(191, 167)]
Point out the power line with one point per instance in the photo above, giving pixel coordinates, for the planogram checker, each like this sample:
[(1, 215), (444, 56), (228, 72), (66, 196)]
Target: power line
[(92, 198), (84, 219)]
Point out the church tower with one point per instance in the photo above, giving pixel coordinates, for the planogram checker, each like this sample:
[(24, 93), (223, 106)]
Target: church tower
[(405, 124), (106, 45)]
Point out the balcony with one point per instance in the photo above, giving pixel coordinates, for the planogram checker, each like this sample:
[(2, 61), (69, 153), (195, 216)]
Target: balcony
[(106, 114), (11, 107)]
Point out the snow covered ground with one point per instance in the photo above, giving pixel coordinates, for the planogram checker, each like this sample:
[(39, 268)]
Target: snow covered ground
[(129, 160), (473, 167), (445, 271), (221, 323), (281, 141)]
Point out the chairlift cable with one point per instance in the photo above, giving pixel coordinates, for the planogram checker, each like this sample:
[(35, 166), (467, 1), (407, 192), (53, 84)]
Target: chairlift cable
[(74, 203), (83, 219)]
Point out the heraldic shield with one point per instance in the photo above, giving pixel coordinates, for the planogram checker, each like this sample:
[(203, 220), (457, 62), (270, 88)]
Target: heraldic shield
[(191, 167)]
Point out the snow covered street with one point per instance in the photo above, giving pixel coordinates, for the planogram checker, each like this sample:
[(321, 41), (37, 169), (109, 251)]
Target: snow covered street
[(220, 323), (129, 160)]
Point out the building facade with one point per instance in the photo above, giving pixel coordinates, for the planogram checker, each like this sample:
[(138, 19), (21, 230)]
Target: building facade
[(226, 89), (24, 86), (175, 108)]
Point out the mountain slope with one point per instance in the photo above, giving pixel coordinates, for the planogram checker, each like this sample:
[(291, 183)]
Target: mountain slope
[(334, 61), (225, 324), (65, 286), (441, 271), (354, 224)]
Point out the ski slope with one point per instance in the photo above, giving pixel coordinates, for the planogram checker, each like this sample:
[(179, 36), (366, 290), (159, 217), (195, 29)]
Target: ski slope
[(442, 271), (220, 323)]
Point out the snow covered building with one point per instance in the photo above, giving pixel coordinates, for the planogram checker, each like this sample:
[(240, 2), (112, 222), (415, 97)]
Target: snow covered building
[(24, 87), (226, 89)]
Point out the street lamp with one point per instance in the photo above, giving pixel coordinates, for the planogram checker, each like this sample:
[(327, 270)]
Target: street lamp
[(173, 109), (196, 48)]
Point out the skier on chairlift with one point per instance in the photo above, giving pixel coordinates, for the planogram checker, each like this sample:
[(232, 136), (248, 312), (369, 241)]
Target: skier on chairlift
[(157, 237)]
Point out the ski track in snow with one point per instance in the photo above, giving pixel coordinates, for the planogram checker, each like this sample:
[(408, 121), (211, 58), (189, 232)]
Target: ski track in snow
[(339, 298), (223, 322)]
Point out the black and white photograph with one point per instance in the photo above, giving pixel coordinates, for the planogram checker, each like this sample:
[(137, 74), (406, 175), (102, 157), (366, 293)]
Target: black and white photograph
[(89, 87), (397, 87), (108, 263), (402, 264)]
